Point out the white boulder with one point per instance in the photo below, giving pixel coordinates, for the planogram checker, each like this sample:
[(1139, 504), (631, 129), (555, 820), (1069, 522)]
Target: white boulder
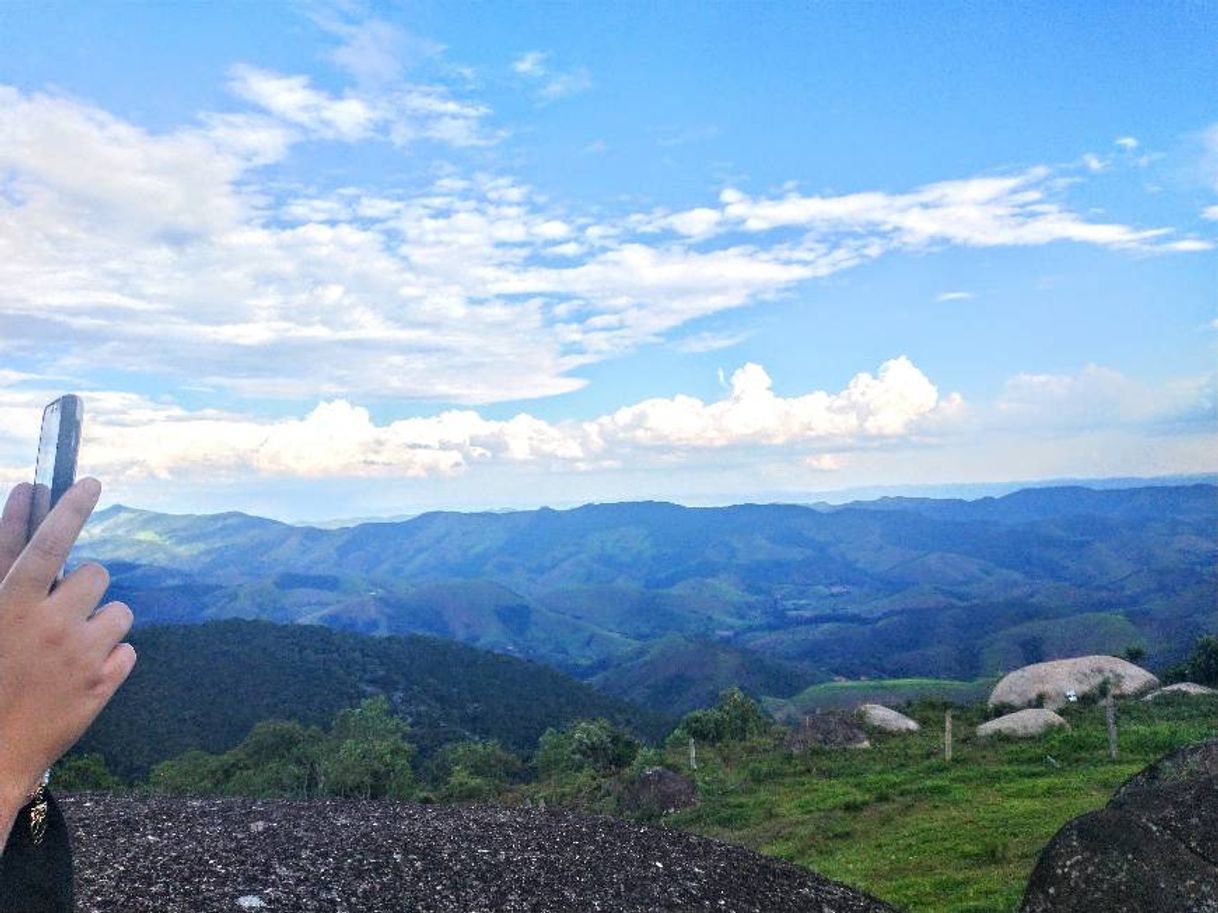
[(1181, 688), (1022, 724), (1082, 675), (887, 719)]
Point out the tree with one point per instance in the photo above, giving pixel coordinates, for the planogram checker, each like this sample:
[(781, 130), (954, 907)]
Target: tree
[(81, 772), (1135, 653), (473, 770), (585, 745), (735, 718), (1200, 667), (367, 754)]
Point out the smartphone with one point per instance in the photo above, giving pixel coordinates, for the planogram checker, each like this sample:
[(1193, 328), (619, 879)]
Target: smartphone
[(58, 445)]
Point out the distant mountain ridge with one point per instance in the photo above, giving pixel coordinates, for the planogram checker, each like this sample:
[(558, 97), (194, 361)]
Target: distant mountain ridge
[(889, 588)]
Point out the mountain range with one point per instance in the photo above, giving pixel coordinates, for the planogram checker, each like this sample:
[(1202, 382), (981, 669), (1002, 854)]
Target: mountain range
[(665, 604)]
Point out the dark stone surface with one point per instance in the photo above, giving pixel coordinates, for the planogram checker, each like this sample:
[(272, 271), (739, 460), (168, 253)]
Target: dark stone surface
[(827, 730), (1187, 763), (203, 855), (1154, 849), (657, 791)]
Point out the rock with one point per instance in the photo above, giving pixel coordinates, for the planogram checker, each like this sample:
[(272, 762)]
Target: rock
[(331, 855), (1154, 849), (251, 902), (884, 718), (658, 791), (1022, 724), (1189, 763), (1181, 688), (1082, 674), (827, 730)]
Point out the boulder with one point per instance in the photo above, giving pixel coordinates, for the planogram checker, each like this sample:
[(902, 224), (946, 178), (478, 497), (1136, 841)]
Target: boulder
[(1154, 849), (1181, 688), (1050, 681), (658, 791), (1022, 724), (827, 730), (887, 719)]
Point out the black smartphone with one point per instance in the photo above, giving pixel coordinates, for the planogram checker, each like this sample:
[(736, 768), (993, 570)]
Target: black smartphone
[(58, 446)]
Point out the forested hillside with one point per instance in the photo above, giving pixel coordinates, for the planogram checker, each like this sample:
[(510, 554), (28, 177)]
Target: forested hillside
[(892, 588), (204, 686)]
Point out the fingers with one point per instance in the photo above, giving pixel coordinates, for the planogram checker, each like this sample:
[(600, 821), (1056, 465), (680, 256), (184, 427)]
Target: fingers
[(38, 564), (13, 525), (79, 593), (110, 625), (116, 668)]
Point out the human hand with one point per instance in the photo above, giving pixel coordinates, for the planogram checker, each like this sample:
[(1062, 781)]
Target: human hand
[(59, 663)]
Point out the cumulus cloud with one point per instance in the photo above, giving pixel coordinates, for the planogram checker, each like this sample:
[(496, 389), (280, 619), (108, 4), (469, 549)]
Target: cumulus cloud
[(131, 436)]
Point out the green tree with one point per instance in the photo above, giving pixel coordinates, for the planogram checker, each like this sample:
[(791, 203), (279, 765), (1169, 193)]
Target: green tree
[(585, 745), (473, 770), (278, 759), (84, 772), (1135, 653), (367, 754), (735, 718), (1200, 667), (192, 773)]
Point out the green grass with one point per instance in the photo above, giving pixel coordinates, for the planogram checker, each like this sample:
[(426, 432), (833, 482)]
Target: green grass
[(923, 834), (890, 691)]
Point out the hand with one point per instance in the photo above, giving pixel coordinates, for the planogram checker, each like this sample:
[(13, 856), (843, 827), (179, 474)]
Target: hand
[(59, 662)]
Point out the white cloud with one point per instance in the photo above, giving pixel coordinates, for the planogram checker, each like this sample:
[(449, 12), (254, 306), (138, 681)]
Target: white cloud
[(708, 342), (1210, 213), (955, 296), (132, 437), (551, 84), (1128, 143), (1099, 397), (173, 252), (292, 99)]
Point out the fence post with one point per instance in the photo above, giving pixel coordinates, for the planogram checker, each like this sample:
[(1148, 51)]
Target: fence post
[(1110, 712), (693, 754), (947, 736)]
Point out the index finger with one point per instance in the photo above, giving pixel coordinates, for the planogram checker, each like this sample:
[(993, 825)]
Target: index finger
[(14, 523), (39, 563)]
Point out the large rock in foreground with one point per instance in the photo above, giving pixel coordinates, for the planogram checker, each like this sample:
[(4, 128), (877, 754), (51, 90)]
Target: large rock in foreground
[(1022, 724), (886, 718), (1154, 849), (205, 855), (1050, 681)]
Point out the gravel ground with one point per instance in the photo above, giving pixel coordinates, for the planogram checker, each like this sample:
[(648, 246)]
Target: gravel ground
[(203, 855)]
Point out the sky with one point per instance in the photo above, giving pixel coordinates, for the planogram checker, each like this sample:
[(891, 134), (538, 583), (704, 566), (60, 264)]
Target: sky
[(329, 260)]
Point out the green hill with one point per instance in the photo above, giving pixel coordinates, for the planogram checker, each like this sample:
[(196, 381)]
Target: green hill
[(206, 685)]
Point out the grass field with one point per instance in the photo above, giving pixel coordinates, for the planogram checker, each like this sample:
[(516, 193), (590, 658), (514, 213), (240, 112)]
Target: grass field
[(889, 691), (926, 835)]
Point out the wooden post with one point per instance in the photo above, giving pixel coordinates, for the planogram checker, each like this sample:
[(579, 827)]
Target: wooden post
[(947, 736), (1110, 712), (693, 754)]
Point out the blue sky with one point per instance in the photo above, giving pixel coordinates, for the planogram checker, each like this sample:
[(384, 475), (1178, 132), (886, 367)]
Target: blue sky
[(343, 260)]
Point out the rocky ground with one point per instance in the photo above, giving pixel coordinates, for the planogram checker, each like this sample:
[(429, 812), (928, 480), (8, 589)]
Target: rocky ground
[(203, 855)]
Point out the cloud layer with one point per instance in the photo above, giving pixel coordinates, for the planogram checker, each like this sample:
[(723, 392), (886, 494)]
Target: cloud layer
[(179, 255)]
